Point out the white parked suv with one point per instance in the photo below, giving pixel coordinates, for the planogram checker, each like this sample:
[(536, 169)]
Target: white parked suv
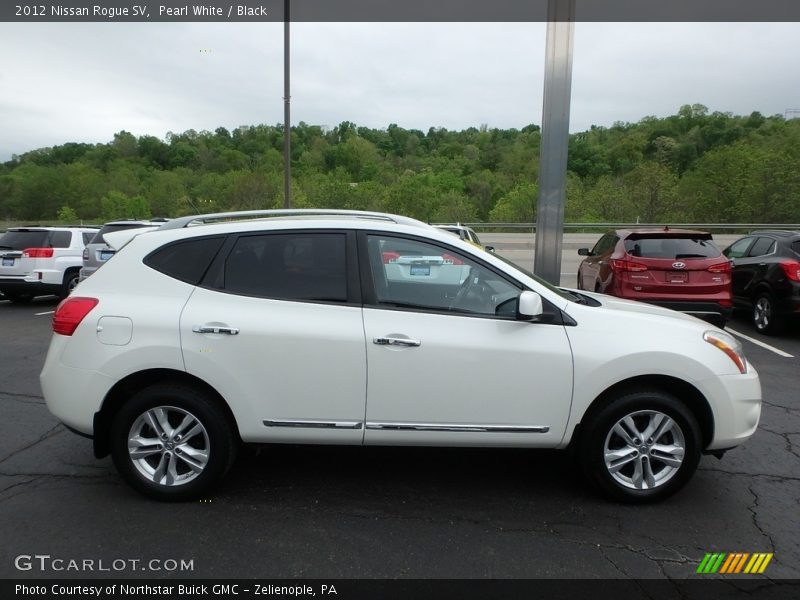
[(39, 261), (339, 327)]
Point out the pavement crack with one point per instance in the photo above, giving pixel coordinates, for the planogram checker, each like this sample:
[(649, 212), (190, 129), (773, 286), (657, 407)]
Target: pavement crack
[(745, 474), (787, 440), (753, 508), (54, 430)]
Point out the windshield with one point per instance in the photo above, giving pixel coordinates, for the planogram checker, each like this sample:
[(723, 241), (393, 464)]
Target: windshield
[(19, 239)]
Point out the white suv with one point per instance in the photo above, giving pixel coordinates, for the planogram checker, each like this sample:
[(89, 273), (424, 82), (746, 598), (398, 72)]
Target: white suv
[(38, 261), (338, 327)]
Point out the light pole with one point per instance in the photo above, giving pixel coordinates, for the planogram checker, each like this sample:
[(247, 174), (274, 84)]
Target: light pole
[(555, 139), (287, 130)]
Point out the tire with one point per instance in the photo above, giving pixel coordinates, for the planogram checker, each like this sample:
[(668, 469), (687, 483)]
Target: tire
[(71, 279), (626, 481), (765, 317), (186, 410)]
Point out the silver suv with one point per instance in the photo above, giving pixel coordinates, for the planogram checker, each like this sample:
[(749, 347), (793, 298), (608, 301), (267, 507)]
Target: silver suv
[(39, 261), (97, 252)]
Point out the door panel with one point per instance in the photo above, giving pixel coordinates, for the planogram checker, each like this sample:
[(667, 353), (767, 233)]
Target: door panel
[(439, 377), (465, 372), (290, 363)]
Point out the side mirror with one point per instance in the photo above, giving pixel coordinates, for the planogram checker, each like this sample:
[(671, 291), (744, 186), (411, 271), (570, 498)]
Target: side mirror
[(584, 252), (529, 306), (489, 248)]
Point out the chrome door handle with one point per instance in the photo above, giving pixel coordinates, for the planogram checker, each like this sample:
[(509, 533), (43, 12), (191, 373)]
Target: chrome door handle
[(395, 341), (210, 329)]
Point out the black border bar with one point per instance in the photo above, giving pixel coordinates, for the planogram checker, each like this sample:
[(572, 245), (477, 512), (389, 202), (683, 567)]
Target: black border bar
[(396, 10), (729, 588)]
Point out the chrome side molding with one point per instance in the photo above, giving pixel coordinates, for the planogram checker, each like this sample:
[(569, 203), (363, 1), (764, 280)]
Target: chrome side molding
[(315, 424), (459, 428)]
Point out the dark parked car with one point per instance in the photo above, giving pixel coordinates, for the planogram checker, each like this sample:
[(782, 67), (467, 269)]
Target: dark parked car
[(681, 269), (766, 277)]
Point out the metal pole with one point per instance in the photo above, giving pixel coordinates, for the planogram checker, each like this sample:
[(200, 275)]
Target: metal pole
[(555, 139), (287, 130)]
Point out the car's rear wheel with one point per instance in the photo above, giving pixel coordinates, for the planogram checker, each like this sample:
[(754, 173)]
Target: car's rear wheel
[(766, 319), (71, 280), (642, 447), (172, 442)]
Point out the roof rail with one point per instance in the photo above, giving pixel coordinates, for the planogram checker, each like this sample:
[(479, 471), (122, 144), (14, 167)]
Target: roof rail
[(182, 222)]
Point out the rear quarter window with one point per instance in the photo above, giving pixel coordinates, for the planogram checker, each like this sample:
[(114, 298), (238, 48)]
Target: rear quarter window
[(186, 260), (61, 239)]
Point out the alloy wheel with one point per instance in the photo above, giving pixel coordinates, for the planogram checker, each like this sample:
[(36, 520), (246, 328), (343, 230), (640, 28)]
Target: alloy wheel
[(762, 313), (644, 450), (168, 446)]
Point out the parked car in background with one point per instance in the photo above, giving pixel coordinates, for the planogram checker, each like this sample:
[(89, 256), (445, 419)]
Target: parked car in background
[(680, 269), (39, 261), (344, 327), (766, 277), (465, 233), (97, 252)]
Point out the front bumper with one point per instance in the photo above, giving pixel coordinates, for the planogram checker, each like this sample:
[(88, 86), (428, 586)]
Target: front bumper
[(736, 405)]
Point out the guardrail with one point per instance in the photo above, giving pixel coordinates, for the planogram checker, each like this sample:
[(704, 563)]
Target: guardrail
[(733, 227)]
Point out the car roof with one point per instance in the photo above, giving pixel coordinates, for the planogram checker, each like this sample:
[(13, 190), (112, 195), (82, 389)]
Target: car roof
[(776, 232), (658, 231)]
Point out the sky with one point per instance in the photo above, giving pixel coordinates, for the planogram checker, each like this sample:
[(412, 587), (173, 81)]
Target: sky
[(82, 82)]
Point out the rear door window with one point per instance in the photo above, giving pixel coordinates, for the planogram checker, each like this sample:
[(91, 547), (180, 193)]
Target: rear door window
[(762, 246), (289, 266), (671, 248)]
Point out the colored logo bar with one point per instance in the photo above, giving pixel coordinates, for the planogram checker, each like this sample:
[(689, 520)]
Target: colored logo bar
[(734, 563)]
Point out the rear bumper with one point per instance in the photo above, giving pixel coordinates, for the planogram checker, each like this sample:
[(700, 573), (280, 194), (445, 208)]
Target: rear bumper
[(17, 285), (703, 310)]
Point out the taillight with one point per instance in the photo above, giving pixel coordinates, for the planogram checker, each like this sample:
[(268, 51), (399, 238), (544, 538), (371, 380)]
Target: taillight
[(85, 254), (449, 259), (628, 265), (71, 312), (390, 257), (791, 268), (723, 267), (37, 253)]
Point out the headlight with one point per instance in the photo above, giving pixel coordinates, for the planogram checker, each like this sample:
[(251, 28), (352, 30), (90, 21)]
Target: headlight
[(729, 345)]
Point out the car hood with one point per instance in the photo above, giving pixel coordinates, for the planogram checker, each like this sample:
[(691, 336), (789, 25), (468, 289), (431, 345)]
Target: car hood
[(620, 306)]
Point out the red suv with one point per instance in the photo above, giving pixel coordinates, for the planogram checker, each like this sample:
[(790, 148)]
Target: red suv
[(679, 269)]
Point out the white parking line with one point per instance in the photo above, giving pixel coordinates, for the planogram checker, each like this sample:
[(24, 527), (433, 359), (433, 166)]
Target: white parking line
[(777, 351), (49, 312)]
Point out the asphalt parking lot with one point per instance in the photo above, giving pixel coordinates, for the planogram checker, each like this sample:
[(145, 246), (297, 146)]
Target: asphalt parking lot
[(329, 512)]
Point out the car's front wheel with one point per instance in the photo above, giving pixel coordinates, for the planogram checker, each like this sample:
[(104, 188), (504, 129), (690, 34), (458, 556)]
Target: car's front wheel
[(172, 442), (641, 447)]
